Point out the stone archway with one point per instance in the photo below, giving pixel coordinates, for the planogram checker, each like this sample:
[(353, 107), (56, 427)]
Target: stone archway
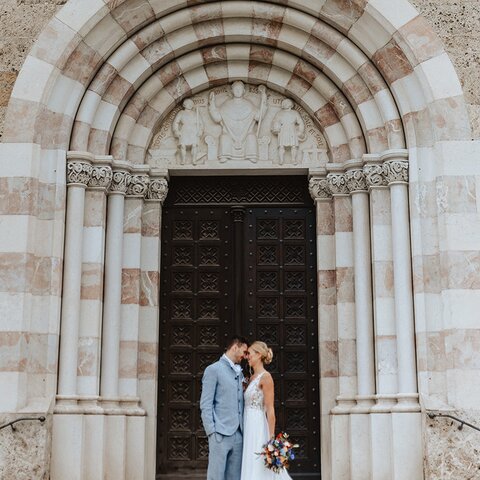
[(106, 76)]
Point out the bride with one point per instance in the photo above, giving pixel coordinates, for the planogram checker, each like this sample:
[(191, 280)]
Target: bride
[(258, 416)]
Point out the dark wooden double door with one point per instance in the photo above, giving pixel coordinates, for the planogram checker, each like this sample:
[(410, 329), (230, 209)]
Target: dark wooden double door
[(238, 256)]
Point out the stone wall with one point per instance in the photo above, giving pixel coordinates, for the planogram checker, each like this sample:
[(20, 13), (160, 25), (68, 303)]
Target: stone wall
[(25, 452), (450, 452), (455, 21), (21, 21)]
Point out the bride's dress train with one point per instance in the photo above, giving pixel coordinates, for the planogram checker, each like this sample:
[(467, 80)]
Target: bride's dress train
[(255, 435)]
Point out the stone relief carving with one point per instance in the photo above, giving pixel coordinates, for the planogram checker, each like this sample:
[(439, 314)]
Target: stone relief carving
[(157, 189), (138, 185), (120, 182), (356, 181), (238, 125), (240, 120), (78, 173), (337, 184), (375, 176), (319, 188), (290, 128), (188, 129), (396, 171), (101, 177)]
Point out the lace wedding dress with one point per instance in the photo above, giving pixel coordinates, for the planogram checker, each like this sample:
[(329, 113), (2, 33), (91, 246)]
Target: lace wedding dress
[(255, 435)]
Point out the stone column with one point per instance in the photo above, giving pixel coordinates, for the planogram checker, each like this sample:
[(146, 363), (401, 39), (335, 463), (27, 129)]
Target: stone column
[(396, 173), (131, 280), (357, 187), (344, 283), (79, 170), (149, 311), (327, 318), (384, 318), (88, 381), (383, 294), (113, 282)]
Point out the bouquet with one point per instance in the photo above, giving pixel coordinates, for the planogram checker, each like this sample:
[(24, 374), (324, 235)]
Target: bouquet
[(278, 452)]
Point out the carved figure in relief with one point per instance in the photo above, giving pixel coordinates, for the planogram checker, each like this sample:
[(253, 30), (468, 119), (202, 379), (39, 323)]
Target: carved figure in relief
[(290, 128), (240, 120), (188, 128)]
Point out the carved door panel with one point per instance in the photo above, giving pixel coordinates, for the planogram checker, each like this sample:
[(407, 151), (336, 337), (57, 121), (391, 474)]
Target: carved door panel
[(229, 265), (282, 311), (195, 317)]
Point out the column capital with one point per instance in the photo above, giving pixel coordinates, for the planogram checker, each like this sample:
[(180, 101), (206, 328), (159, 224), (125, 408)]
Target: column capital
[(396, 171), (101, 173), (356, 181), (319, 189), (337, 184), (121, 178), (157, 189), (138, 185), (375, 176), (78, 172)]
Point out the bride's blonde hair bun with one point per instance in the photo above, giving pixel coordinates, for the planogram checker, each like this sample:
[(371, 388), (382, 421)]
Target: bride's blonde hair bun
[(264, 350)]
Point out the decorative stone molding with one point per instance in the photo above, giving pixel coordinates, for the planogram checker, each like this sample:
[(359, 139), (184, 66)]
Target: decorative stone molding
[(337, 184), (138, 186), (375, 176), (78, 173), (101, 177), (319, 188), (396, 171), (120, 182), (356, 182), (157, 189)]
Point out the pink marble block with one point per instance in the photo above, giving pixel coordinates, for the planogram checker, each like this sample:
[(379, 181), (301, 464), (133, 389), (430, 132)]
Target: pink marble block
[(392, 62), (132, 15), (343, 13), (421, 41), (82, 64), (119, 92)]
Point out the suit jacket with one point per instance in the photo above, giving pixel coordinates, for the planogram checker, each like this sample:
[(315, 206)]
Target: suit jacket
[(221, 401)]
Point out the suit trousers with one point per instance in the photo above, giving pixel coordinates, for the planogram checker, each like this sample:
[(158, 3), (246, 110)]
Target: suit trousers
[(225, 456)]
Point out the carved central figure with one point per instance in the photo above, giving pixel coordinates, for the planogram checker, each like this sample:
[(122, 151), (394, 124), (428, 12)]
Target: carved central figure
[(240, 120)]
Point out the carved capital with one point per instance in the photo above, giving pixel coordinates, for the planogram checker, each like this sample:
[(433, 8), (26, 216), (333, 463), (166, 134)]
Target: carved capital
[(101, 177), (319, 189), (375, 176), (120, 182), (78, 173), (396, 171), (157, 189), (337, 184), (356, 181), (138, 185)]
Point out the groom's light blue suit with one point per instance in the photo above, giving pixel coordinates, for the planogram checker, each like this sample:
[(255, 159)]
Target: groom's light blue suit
[(221, 404)]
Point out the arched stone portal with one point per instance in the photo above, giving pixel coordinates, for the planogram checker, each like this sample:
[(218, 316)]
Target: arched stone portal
[(100, 82)]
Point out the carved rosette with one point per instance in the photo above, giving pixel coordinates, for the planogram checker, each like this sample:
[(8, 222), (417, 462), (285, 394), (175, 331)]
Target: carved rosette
[(157, 189), (337, 184), (120, 182), (356, 181), (138, 186), (78, 173), (319, 189), (375, 176), (396, 171), (101, 177)]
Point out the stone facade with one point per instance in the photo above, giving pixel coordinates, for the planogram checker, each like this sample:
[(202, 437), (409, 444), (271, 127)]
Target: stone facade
[(25, 452), (456, 23), (82, 184)]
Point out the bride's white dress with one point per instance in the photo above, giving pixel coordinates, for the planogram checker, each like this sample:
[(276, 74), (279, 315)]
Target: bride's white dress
[(255, 435)]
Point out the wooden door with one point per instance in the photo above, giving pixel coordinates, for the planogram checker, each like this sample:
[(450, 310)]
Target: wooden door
[(238, 255)]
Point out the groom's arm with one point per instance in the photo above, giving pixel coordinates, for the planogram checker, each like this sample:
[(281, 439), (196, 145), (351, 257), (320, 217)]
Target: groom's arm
[(209, 385)]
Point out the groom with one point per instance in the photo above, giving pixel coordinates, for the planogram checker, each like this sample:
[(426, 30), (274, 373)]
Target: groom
[(221, 404)]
